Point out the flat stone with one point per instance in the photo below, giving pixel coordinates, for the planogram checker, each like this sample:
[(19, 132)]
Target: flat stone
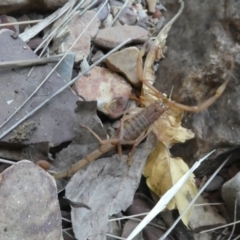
[(112, 36), (9, 19), (207, 53), (29, 204), (204, 216), (128, 16), (110, 90), (74, 29), (230, 193), (104, 12), (215, 184), (55, 121), (108, 21), (125, 62), (99, 54), (65, 67)]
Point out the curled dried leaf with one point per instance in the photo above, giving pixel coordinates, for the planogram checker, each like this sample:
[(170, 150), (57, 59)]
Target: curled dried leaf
[(162, 172)]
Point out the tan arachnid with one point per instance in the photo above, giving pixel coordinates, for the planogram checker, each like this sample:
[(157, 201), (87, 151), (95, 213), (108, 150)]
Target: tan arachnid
[(133, 129), (147, 76)]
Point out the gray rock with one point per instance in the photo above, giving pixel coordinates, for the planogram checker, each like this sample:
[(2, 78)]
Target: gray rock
[(66, 66), (8, 19), (204, 216), (29, 204), (231, 192), (55, 121), (128, 16), (202, 44), (97, 56), (103, 14), (215, 184)]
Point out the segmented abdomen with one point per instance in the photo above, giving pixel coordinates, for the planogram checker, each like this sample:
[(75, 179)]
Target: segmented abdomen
[(140, 122)]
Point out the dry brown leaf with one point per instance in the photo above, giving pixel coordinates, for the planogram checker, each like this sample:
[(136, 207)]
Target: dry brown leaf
[(169, 130), (162, 172)]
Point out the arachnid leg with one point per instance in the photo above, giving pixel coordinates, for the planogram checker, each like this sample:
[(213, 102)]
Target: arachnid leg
[(135, 144), (121, 131), (113, 140), (196, 109), (141, 75), (159, 95), (205, 104)]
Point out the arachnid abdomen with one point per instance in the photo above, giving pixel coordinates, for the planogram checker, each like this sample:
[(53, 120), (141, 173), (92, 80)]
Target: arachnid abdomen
[(140, 122)]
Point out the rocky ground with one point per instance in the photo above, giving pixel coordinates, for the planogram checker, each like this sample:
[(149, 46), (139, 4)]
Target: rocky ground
[(69, 64)]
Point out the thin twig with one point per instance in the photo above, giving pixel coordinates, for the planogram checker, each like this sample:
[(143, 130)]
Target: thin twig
[(66, 220), (47, 40), (127, 217), (33, 31), (30, 62), (64, 230), (65, 20), (114, 236), (193, 200), (149, 224), (90, 5), (116, 17), (63, 88), (235, 217), (20, 23), (170, 95), (223, 226), (167, 197), (7, 161), (207, 204), (67, 229), (236, 238)]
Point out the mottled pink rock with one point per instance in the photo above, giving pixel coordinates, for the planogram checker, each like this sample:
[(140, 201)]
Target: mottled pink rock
[(75, 28), (109, 89), (112, 36)]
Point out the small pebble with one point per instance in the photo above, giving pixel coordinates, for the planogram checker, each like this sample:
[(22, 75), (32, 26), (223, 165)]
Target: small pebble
[(215, 184), (128, 16), (142, 15), (97, 56), (157, 14)]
